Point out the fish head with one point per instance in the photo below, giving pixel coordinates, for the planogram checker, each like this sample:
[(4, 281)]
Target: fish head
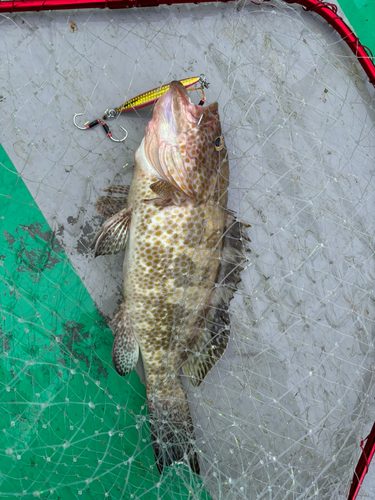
[(184, 145)]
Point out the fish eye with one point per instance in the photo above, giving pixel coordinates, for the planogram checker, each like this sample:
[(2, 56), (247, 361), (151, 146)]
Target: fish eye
[(219, 143)]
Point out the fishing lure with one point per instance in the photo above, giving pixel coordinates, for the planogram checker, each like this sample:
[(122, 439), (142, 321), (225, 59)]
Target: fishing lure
[(141, 101)]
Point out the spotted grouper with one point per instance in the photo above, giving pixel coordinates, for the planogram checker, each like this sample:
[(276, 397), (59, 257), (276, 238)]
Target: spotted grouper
[(183, 256)]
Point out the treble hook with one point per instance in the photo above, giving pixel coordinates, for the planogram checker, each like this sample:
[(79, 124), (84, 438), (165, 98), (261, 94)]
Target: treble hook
[(103, 124)]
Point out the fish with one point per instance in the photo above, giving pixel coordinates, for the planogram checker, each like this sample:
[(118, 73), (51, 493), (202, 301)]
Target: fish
[(184, 251)]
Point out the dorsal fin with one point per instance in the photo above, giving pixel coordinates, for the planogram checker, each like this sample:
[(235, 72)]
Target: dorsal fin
[(211, 342), (113, 234), (213, 332)]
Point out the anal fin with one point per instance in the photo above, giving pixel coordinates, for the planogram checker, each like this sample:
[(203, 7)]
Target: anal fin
[(213, 332), (125, 350), (113, 234)]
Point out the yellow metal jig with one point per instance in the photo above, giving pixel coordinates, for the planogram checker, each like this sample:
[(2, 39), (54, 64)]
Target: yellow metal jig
[(141, 101), (153, 95)]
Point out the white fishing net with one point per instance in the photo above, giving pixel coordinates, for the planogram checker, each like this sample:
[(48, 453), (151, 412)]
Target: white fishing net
[(283, 412)]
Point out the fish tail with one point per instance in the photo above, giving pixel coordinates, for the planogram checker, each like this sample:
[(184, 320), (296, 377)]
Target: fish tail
[(172, 428)]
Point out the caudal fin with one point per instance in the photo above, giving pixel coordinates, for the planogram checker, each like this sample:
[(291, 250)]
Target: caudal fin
[(172, 432)]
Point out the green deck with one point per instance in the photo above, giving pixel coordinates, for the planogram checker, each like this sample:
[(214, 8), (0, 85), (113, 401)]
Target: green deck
[(69, 424), (361, 15)]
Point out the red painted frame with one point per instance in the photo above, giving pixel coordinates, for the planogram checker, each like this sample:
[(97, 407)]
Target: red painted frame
[(325, 10)]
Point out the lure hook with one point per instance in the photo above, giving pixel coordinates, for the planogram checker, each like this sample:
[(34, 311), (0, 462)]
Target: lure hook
[(75, 123), (103, 124)]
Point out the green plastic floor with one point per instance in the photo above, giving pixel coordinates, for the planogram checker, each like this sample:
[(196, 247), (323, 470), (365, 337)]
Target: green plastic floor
[(67, 403), (361, 14)]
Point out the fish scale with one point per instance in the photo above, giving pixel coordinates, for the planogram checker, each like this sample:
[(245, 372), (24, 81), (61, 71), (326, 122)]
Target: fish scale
[(183, 256)]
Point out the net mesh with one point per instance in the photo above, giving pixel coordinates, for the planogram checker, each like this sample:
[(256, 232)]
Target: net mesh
[(282, 413)]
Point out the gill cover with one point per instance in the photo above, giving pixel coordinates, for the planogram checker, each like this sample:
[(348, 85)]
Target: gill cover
[(180, 144)]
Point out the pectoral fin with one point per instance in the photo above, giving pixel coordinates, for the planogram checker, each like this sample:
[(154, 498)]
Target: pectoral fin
[(167, 195), (125, 350), (162, 188), (114, 201), (113, 235)]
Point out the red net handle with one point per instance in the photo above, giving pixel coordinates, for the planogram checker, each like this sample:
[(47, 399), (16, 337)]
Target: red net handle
[(363, 464)]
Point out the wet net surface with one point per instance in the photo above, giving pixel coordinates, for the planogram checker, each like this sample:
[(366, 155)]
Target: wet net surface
[(282, 413)]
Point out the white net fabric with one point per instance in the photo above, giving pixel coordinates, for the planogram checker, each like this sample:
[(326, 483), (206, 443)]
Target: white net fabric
[(282, 413)]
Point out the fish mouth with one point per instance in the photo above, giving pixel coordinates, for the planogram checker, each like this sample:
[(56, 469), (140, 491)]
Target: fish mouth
[(173, 113), (178, 109)]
